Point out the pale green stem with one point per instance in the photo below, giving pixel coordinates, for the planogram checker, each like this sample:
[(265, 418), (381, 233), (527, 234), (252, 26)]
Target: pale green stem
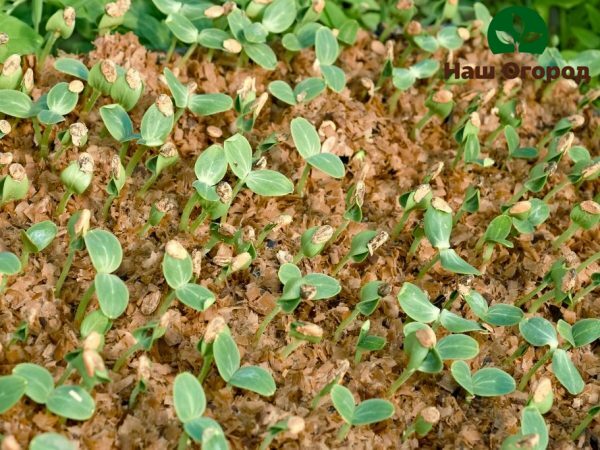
[(340, 265), (135, 159), (537, 304), (164, 306), (585, 422), (515, 198), (291, 347), (107, 205), (566, 235), (84, 302), (265, 323), (534, 369), (187, 211), (63, 202), (149, 182), (428, 266), (65, 375), (46, 50), (198, 221), (344, 430), (44, 147), (556, 189), (531, 294), (126, 355), (187, 55), (91, 101), (581, 294), (344, 324), (64, 272), (206, 365), (404, 376), (123, 151), (303, 180), (400, 225)]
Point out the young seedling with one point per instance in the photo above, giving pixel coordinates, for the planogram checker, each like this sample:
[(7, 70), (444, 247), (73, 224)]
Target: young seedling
[(15, 185), (115, 184), (354, 202), (167, 156), (327, 51), (370, 295), (423, 424), (365, 413), (235, 264), (539, 332), (77, 226), (301, 333), (469, 205), (404, 79), (335, 377), (305, 91), (101, 78), (114, 16), (470, 148), (143, 380), (294, 425), (438, 228), (200, 104), (418, 199), (498, 315), (106, 255), (363, 245), (60, 101), (307, 142), (119, 125), (157, 123), (313, 241), (145, 337), (367, 342), (178, 268), (585, 216), (76, 178), (592, 412), (515, 151), (296, 288), (449, 37), (486, 382), (88, 362), (507, 114), (248, 106), (60, 25), (36, 238), (426, 354), (561, 128), (189, 401), (584, 169), (12, 73), (595, 282), (74, 136), (439, 104), (158, 211)]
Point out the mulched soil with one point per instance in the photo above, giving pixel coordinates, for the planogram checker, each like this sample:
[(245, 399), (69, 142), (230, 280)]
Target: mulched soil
[(395, 164)]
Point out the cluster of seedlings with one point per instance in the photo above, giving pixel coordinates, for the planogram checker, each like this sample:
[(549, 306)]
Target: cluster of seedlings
[(437, 336)]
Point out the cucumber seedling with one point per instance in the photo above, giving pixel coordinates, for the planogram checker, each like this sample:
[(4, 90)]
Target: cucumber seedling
[(76, 178), (301, 333), (363, 245), (15, 185), (367, 342)]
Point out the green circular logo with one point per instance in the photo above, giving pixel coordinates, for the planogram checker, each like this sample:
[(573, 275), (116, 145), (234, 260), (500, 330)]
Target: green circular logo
[(517, 29)]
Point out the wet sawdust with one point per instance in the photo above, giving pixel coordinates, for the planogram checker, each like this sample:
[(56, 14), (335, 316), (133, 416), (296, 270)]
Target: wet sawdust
[(395, 164)]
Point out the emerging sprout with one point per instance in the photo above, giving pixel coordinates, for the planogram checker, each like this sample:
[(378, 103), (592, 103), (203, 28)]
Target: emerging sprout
[(363, 245), (36, 238), (294, 425), (302, 333), (425, 421), (585, 216), (367, 342), (76, 178), (12, 73), (60, 24), (167, 156), (9, 265), (15, 185), (115, 183), (365, 413), (158, 211), (313, 242), (486, 382)]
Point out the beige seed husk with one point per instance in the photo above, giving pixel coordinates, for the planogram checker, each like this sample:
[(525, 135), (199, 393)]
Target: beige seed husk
[(329, 144), (475, 119), (384, 290), (11, 65), (28, 80), (414, 28), (164, 205), (378, 47), (442, 96), (222, 261), (426, 337), (232, 46), (5, 127), (240, 261), (322, 234), (590, 171), (168, 150), (76, 86), (318, 6), (431, 415), (224, 191), (227, 229), (214, 12), (569, 280), (10, 443), (17, 172), (520, 207), (175, 250), (403, 5), (214, 328), (300, 97), (108, 70), (214, 132), (543, 388), (92, 341), (164, 105), (261, 163), (565, 142), (389, 46), (463, 290), (529, 441), (89, 362), (115, 167), (86, 163), (133, 78), (167, 319), (4, 38), (283, 220), (6, 158), (590, 207), (310, 329), (78, 132), (369, 85), (296, 425), (380, 238), (197, 262), (434, 171), (327, 127), (69, 16), (577, 120), (441, 205), (249, 85), (463, 33), (308, 292), (143, 370), (83, 222), (260, 103), (284, 256), (421, 192), (358, 197)]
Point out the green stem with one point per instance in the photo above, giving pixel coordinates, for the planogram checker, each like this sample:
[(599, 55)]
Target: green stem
[(303, 180), (44, 147), (65, 375), (566, 235), (126, 355), (107, 205), (591, 260), (531, 294), (57, 154), (91, 101), (393, 102), (344, 430), (298, 257), (537, 304), (187, 211), (171, 50), (149, 182), (534, 368), (265, 323), (340, 264), (291, 347), (556, 189), (404, 376), (182, 444), (3, 282), (206, 365), (414, 246), (37, 132), (344, 324), (46, 50), (585, 422), (64, 272), (135, 159), (24, 258), (178, 113), (338, 231), (516, 354), (493, 135), (581, 294), (421, 123), (123, 151), (358, 356), (187, 55), (515, 198), (145, 229), (198, 221), (488, 250), (428, 266), (400, 225), (458, 216), (236, 189), (84, 302), (63, 202), (166, 303)]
